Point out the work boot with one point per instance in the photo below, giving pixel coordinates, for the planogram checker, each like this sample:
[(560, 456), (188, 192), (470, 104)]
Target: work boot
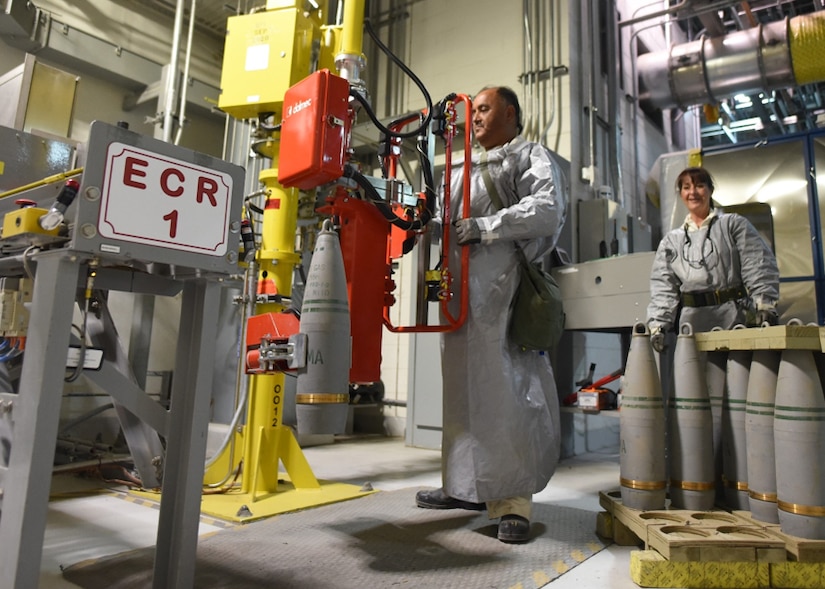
[(438, 499), (513, 529)]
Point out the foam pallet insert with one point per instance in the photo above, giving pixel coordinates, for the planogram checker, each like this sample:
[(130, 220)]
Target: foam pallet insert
[(710, 549)]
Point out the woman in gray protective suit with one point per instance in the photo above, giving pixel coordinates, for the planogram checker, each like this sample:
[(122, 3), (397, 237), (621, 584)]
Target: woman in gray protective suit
[(714, 270)]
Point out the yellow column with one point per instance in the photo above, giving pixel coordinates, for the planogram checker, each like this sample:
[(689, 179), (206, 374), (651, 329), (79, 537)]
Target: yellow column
[(277, 259), (353, 33)]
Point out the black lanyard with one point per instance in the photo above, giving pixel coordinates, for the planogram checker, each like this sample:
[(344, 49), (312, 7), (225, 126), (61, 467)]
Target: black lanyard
[(702, 262)]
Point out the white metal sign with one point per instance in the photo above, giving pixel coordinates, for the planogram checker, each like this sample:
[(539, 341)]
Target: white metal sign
[(157, 200)]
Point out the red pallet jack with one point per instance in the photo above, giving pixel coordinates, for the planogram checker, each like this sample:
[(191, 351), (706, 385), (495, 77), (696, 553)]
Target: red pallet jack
[(593, 396)]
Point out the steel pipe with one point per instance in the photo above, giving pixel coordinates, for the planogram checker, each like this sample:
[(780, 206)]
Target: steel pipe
[(771, 56)]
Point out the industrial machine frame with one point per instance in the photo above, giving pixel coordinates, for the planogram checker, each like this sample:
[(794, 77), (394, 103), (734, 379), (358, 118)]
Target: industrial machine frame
[(93, 260)]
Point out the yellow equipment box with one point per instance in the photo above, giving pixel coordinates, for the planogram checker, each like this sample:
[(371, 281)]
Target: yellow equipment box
[(23, 225)]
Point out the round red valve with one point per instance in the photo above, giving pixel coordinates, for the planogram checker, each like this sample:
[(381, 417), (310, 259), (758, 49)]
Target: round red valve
[(24, 203)]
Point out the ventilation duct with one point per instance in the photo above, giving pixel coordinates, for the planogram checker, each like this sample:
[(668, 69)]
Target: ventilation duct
[(771, 56)]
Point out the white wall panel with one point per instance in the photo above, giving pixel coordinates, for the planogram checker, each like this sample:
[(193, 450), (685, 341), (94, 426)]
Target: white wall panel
[(464, 46)]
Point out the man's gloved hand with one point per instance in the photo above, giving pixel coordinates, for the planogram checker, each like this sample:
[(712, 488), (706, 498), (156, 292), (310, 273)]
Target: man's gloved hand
[(768, 316), (467, 231)]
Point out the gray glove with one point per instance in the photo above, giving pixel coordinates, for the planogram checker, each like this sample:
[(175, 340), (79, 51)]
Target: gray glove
[(657, 340), (467, 231), (768, 316)]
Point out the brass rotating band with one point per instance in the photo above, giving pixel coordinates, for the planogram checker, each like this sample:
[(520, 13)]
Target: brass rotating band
[(735, 485), (812, 510), (320, 398), (690, 486), (770, 497), (642, 485)]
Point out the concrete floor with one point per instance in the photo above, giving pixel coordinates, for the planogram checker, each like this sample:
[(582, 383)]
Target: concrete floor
[(83, 526)]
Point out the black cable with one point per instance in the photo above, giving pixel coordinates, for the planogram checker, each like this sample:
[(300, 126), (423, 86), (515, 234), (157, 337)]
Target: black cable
[(409, 73), (386, 143), (252, 207), (427, 170), (262, 117), (383, 207), (78, 370)]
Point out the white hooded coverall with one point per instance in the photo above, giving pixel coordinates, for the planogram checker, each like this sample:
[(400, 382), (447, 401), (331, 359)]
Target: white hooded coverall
[(501, 416), (726, 251)]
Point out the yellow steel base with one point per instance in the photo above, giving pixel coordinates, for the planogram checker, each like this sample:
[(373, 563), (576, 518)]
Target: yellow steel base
[(295, 488), (242, 507), (237, 506)]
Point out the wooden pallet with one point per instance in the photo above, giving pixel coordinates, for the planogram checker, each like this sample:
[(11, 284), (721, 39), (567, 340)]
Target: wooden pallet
[(799, 549), (709, 549), (683, 535)]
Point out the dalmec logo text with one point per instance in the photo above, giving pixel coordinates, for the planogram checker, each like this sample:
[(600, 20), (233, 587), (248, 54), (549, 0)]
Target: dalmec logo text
[(298, 107)]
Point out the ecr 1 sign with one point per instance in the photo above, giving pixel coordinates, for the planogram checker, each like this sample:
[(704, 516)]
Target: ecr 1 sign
[(156, 200)]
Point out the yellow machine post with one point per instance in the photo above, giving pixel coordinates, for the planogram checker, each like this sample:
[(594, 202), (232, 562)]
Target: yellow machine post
[(352, 39), (267, 442), (277, 260)]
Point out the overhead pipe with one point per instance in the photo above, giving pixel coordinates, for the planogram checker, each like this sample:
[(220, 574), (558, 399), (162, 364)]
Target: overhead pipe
[(645, 17), (772, 56), (171, 82), (555, 70), (614, 149), (185, 79), (577, 131), (539, 77), (593, 89), (529, 65)]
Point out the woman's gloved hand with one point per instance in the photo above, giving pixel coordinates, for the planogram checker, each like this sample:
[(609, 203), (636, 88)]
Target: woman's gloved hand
[(657, 338), (467, 231), (768, 316)]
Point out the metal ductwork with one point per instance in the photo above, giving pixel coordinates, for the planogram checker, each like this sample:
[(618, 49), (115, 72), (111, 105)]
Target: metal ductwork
[(771, 56)]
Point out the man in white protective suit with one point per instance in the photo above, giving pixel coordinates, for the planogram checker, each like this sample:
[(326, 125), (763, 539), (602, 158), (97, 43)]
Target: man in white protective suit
[(500, 441)]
